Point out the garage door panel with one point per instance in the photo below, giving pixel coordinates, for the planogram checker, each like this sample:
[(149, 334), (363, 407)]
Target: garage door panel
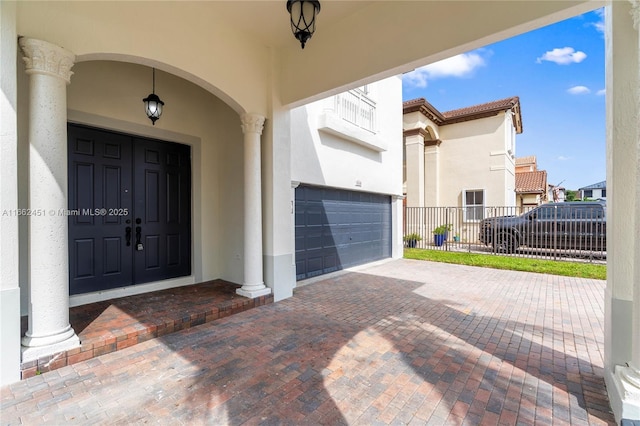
[(330, 241), (314, 241), (315, 266), (330, 262), (315, 217), (336, 229)]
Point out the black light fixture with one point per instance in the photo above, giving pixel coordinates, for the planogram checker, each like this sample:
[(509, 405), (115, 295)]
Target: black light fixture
[(152, 103), (303, 18)]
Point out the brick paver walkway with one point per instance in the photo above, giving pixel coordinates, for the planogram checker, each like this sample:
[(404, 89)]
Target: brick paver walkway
[(404, 342), (116, 324)]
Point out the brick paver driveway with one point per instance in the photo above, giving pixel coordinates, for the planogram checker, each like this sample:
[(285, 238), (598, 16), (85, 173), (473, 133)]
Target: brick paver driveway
[(403, 342)]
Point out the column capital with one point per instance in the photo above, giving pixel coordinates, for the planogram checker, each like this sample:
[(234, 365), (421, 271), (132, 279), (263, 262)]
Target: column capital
[(42, 57), (252, 123), (635, 13), (417, 132)]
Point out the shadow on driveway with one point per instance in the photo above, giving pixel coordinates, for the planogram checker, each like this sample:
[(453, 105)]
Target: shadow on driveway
[(360, 348)]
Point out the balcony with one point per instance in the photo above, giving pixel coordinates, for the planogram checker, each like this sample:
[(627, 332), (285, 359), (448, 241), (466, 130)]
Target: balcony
[(352, 116)]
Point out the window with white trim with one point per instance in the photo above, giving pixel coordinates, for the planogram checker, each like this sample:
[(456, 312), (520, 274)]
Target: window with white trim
[(473, 203)]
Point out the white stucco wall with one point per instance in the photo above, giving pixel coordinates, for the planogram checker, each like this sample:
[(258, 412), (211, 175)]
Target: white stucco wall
[(622, 294), (323, 159), (9, 249), (473, 157)]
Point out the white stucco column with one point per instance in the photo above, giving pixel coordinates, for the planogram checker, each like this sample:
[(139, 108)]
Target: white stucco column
[(432, 173), (49, 68), (414, 163), (622, 296), (253, 286), (397, 225), (278, 202)]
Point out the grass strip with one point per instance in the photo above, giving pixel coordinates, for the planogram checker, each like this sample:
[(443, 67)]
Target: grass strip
[(553, 267)]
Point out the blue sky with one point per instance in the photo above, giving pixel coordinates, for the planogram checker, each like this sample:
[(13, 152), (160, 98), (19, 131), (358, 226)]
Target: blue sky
[(558, 73)]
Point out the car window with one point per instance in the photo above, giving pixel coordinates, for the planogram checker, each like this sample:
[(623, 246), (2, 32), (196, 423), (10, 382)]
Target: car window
[(546, 212), (588, 212), (563, 213)]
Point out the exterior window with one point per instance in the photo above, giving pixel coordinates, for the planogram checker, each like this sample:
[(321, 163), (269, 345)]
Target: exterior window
[(603, 193), (588, 193), (473, 205)]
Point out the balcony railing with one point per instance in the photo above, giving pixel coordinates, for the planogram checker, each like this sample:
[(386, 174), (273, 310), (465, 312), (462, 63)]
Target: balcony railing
[(356, 108)]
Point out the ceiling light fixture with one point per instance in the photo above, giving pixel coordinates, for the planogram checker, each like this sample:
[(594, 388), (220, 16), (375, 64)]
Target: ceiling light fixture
[(303, 18), (152, 103)]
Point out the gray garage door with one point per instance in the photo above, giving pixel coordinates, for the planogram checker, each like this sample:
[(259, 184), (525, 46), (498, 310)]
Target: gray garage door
[(337, 229)]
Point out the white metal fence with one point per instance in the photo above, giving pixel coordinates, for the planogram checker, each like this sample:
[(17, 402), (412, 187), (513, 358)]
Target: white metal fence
[(554, 232)]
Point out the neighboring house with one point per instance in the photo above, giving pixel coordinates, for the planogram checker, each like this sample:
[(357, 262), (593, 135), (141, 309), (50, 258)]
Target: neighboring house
[(211, 182), (556, 193), (526, 164), (596, 191), (531, 188), (461, 158), (531, 183), (346, 165)]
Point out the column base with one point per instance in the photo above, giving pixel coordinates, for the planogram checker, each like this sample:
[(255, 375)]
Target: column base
[(253, 291), (627, 395), (34, 352)]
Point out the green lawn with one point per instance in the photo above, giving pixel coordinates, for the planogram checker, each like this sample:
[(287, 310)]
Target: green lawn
[(569, 269)]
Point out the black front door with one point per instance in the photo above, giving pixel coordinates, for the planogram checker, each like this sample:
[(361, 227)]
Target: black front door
[(129, 210)]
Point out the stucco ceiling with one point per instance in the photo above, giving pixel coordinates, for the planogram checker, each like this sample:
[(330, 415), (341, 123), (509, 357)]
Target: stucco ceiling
[(268, 20), (219, 45)]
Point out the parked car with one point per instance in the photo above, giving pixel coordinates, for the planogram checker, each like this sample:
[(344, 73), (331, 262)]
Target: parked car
[(569, 226)]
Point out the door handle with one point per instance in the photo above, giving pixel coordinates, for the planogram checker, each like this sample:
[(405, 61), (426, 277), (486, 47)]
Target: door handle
[(128, 235), (138, 236)]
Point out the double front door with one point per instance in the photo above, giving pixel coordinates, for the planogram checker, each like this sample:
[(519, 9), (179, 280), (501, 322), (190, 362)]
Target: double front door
[(129, 210)]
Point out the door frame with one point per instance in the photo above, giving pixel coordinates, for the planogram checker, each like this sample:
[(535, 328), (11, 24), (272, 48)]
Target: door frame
[(134, 129)]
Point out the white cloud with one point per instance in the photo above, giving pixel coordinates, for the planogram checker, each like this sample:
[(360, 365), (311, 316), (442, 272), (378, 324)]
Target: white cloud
[(599, 25), (563, 158), (457, 66), (563, 56), (601, 92), (578, 90)]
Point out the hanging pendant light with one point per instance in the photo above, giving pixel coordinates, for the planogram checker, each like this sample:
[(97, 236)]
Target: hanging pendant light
[(152, 103), (303, 18)]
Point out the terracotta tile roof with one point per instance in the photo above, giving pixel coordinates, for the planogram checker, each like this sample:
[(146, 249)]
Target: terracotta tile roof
[(531, 182), (531, 159), (426, 108), (465, 114), (499, 105)]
